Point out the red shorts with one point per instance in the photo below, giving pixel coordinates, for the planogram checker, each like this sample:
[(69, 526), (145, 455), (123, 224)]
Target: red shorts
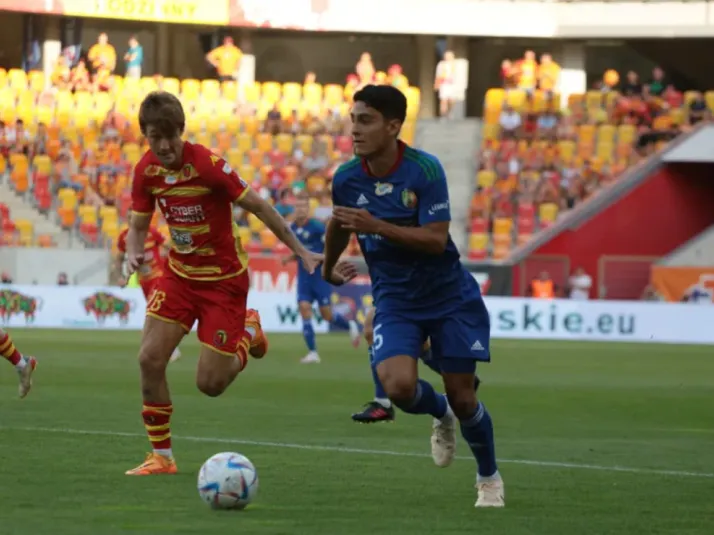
[(147, 286), (218, 306)]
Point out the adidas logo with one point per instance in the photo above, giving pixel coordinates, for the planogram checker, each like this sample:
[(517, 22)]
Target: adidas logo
[(362, 200), (477, 346)]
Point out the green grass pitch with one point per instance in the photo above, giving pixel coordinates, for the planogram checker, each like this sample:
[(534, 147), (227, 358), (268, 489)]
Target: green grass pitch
[(594, 439)]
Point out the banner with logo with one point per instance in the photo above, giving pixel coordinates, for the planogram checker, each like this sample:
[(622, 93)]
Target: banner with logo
[(511, 318), (689, 284), (213, 12)]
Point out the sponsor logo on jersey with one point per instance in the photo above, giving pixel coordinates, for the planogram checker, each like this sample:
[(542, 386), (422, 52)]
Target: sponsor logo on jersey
[(438, 207), (220, 338), (362, 200), (381, 189)]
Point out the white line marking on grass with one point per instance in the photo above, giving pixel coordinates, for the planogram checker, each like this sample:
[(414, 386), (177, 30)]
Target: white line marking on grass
[(364, 451)]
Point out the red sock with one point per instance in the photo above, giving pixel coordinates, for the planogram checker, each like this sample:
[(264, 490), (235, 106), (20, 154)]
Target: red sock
[(8, 350), (156, 420)]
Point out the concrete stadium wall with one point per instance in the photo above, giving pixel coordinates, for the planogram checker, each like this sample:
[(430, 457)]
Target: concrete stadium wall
[(41, 266)]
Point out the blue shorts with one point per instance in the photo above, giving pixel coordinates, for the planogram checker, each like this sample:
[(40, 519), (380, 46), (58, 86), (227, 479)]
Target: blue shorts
[(314, 289), (459, 339)]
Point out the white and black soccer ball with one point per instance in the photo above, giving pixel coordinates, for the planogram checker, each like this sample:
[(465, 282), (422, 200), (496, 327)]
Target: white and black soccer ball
[(228, 481)]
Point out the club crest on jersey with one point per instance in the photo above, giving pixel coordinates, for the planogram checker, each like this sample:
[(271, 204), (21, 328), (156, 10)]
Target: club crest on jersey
[(382, 188), (409, 198), (171, 180), (220, 338)]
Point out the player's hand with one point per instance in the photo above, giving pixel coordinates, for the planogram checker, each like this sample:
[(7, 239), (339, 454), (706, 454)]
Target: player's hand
[(310, 260), (123, 281), (287, 260), (342, 273), (134, 262), (356, 219)]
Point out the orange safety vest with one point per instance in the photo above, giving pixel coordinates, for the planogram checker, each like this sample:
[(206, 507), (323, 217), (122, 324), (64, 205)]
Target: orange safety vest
[(543, 289)]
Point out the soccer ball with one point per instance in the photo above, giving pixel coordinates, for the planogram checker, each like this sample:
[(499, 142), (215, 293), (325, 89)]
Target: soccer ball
[(228, 481)]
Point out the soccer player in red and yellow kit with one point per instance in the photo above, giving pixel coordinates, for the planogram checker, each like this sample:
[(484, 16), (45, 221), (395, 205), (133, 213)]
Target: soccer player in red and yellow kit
[(152, 268), (206, 279), (25, 366)]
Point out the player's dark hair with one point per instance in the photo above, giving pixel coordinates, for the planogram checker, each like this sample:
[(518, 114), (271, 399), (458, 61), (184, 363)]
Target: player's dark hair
[(163, 111), (387, 100)]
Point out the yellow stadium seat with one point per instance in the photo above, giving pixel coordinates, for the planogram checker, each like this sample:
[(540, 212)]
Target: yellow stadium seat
[(171, 85), (247, 173), (210, 89), (147, 84), (87, 214), (284, 143), (626, 133), (586, 134), (229, 90), (478, 242), (255, 224), (264, 142), (270, 92), (547, 212), (305, 143), (334, 95), (17, 78), (486, 178), (251, 92), (42, 163), (494, 98), (234, 157), (516, 99), (593, 99), (312, 94), (268, 240), (606, 134), (67, 198), (604, 152), (502, 226), (190, 89), (107, 212), (292, 92), (24, 227)]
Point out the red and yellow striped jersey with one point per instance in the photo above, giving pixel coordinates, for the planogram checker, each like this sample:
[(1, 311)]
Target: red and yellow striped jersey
[(197, 204)]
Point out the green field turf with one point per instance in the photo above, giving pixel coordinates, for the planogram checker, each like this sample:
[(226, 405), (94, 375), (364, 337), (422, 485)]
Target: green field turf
[(594, 439)]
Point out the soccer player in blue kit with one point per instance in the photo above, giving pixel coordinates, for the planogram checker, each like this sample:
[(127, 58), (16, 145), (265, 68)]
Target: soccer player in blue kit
[(396, 199), (313, 288)]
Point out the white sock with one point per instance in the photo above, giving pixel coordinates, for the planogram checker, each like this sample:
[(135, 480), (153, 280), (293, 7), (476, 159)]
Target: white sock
[(384, 402), (168, 453), (486, 479), (448, 417), (251, 332), (21, 364)]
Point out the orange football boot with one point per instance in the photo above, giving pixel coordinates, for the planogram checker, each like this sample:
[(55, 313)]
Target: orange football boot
[(259, 343), (153, 465)]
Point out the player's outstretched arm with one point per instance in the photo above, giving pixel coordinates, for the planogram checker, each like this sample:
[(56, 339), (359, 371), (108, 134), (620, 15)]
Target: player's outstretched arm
[(256, 205), (135, 240)]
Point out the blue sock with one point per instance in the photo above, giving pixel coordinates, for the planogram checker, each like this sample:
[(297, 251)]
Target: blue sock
[(426, 401), (338, 320), (379, 392), (428, 359), (478, 433), (309, 334)]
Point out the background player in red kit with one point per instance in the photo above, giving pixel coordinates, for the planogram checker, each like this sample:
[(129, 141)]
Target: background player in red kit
[(206, 279), (155, 249)]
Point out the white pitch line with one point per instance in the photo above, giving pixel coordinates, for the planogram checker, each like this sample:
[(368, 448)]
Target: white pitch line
[(363, 451)]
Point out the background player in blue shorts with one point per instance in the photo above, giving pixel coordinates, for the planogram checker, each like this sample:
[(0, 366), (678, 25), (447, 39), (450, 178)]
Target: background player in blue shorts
[(396, 199), (312, 288), (380, 409)]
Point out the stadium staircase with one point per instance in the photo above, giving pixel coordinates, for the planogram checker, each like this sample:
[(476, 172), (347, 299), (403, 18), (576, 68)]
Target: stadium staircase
[(42, 224), (455, 143)]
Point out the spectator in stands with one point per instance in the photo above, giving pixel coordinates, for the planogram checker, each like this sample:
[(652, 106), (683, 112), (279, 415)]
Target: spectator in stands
[(396, 78), (61, 74), (509, 75), (698, 110), (510, 122), (632, 86), (226, 59), (134, 58), (317, 162), (284, 205), (365, 69), (5, 278), (650, 294), (444, 83), (580, 284), (657, 84), (274, 121), (323, 211), (528, 73), (79, 77), (102, 54), (18, 138), (548, 75), (39, 144), (62, 279), (542, 287)]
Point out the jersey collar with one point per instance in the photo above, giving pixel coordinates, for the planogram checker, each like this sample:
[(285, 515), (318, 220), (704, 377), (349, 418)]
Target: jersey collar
[(401, 147)]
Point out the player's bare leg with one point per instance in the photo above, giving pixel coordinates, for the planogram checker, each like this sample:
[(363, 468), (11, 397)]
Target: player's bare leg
[(25, 366), (308, 333), (332, 317), (159, 340), (477, 430)]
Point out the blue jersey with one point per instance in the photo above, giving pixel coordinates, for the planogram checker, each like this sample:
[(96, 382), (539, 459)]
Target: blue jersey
[(311, 288), (417, 295), (414, 194)]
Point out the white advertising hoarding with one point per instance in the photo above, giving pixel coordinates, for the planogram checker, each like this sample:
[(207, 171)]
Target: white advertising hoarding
[(511, 318)]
